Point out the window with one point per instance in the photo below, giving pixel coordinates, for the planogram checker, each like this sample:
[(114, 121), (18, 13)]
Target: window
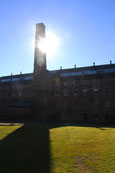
[(107, 117), (107, 104), (84, 82), (75, 107), (56, 93), (85, 91), (9, 94), (75, 93), (13, 94), (95, 91), (107, 91), (65, 106), (67, 83), (57, 81), (75, 82), (95, 106), (26, 94), (95, 81), (65, 92), (96, 117), (20, 94), (85, 117), (85, 106)]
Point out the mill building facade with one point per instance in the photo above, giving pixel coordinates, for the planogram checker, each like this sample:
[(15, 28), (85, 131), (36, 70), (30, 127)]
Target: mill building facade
[(85, 94)]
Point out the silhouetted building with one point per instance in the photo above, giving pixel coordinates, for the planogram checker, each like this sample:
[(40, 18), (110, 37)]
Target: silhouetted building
[(85, 94)]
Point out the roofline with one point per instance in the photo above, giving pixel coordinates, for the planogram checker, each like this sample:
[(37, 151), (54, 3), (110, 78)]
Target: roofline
[(16, 75), (82, 68), (62, 70)]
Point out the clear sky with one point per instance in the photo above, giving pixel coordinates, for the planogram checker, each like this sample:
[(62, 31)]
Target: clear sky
[(86, 29)]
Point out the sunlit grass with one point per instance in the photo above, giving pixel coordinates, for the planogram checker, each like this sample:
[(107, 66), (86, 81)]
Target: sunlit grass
[(6, 130), (82, 149), (57, 149)]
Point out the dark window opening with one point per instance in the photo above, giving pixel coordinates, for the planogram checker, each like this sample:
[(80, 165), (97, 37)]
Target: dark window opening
[(85, 117), (107, 117), (107, 91), (96, 117)]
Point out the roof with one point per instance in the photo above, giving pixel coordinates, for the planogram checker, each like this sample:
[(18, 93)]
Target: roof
[(18, 77), (90, 70)]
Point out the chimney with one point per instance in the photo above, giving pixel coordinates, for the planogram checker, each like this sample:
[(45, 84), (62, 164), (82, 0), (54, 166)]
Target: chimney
[(110, 62), (39, 55)]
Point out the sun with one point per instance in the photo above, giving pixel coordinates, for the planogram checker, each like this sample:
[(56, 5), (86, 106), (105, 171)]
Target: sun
[(50, 44)]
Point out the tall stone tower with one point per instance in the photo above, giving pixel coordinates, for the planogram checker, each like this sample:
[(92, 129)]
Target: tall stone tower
[(39, 55), (41, 79)]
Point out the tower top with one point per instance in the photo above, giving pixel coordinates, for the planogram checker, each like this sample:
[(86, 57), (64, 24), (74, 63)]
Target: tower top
[(40, 29), (40, 24)]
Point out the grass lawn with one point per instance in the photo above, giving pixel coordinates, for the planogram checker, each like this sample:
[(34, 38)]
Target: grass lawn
[(56, 149)]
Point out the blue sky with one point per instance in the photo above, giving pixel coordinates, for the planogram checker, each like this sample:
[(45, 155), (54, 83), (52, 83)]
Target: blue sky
[(86, 29)]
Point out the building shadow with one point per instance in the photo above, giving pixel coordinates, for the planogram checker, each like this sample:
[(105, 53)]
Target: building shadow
[(26, 150)]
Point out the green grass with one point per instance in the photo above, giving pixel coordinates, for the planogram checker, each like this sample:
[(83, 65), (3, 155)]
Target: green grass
[(61, 149)]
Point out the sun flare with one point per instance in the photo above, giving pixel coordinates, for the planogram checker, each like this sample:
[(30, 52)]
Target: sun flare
[(50, 44)]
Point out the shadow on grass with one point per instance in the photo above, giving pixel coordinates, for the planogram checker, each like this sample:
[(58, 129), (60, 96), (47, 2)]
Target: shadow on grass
[(26, 150)]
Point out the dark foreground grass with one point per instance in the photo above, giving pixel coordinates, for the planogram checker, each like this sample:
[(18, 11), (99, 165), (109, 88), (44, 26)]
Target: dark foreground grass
[(56, 149)]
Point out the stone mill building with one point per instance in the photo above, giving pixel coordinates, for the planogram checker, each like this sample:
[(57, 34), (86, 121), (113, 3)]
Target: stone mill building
[(85, 94)]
